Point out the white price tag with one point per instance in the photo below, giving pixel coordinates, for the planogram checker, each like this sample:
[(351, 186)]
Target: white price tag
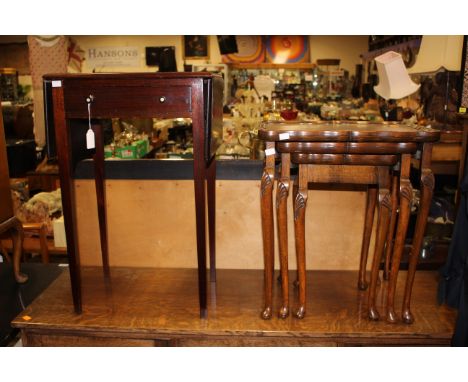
[(90, 139), (56, 84), (283, 136), (270, 151)]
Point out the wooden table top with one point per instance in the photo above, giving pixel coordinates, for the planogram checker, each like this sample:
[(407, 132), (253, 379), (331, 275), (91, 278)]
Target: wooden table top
[(127, 76), (345, 131), (147, 301)]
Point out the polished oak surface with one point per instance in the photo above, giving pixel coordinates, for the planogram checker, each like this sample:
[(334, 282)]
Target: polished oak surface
[(147, 306)]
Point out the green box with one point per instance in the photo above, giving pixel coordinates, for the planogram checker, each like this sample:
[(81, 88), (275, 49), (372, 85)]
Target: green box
[(137, 149)]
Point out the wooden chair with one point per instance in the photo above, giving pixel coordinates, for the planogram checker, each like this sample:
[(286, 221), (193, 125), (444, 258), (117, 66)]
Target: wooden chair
[(36, 240), (9, 224)]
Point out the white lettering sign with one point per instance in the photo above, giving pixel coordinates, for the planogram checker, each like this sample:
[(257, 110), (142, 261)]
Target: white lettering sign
[(113, 56)]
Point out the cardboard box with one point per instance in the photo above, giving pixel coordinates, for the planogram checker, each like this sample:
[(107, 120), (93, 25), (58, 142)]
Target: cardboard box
[(137, 149)]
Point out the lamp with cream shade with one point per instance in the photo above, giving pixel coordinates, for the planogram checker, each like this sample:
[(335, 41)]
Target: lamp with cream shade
[(440, 55), (438, 52), (394, 81)]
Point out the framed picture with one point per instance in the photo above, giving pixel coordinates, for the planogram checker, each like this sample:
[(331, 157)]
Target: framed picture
[(196, 47)]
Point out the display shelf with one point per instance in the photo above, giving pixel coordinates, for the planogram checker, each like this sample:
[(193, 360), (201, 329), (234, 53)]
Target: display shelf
[(269, 65)]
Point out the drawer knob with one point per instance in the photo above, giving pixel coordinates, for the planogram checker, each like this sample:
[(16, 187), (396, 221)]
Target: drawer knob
[(162, 99)]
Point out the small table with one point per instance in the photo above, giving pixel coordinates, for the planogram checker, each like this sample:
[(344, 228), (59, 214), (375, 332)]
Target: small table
[(338, 147), (146, 95)]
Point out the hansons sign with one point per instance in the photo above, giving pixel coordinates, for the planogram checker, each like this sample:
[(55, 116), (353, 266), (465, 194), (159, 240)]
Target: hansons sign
[(113, 56)]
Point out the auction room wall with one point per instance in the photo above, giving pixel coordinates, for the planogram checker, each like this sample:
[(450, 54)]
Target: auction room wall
[(346, 48)]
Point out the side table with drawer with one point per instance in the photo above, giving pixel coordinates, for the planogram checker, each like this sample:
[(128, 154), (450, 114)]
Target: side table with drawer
[(84, 97)]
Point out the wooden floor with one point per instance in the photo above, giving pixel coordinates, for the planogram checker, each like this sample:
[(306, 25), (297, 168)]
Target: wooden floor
[(159, 307)]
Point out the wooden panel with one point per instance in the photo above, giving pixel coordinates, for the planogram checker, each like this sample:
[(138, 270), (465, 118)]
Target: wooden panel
[(342, 174), (251, 342), (30, 339), (168, 240), (446, 152), (62, 340), (347, 147), (345, 159), (335, 341)]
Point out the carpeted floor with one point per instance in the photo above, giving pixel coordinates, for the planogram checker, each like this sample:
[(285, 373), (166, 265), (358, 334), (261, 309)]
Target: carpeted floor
[(14, 297)]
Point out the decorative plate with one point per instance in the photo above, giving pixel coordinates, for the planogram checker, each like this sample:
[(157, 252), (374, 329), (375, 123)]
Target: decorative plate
[(250, 51), (287, 49)]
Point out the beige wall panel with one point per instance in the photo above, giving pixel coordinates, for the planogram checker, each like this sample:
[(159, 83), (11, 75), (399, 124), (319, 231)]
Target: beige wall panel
[(346, 48), (152, 223)]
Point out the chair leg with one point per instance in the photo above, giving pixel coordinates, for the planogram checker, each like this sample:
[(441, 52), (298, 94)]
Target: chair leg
[(366, 236), (6, 256), (17, 237)]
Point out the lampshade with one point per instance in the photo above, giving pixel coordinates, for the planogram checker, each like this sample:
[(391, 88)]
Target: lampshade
[(438, 52), (394, 80)]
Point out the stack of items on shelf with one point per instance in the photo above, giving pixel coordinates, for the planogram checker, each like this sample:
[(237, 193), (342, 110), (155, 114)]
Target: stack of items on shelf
[(128, 144), (240, 130)]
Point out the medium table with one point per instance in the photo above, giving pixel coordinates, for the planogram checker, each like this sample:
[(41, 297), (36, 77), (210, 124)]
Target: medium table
[(342, 152), (146, 95)]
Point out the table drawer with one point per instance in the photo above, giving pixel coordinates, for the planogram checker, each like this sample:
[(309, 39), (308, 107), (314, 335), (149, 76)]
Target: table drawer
[(154, 100)]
